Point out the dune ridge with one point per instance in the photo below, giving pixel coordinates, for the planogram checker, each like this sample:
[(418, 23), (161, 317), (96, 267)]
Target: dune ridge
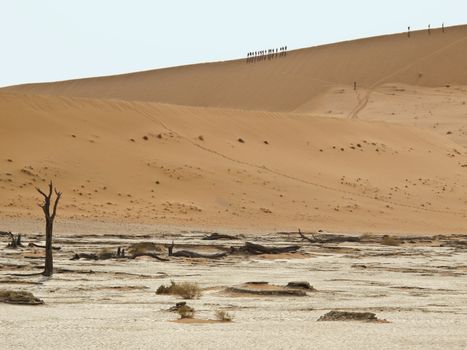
[(286, 84)]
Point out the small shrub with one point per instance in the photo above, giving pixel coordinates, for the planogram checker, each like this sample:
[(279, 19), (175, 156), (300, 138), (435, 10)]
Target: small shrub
[(144, 247), (186, 290), (106, 253), (390, 241), (201, 137), (186, 311), (145, 138), (165, 289), (241, 140), (19, 297), (223, 316)]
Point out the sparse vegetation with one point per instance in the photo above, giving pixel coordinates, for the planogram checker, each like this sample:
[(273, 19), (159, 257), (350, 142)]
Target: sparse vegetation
[(186, 290), (223, 316), (186, 311), (144, 247), (241, 140), (19, 297), (201, 137), (390, 241), (106, 253)]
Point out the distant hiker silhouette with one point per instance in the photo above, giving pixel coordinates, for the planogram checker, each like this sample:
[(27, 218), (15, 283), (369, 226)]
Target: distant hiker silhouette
[(408, 32)]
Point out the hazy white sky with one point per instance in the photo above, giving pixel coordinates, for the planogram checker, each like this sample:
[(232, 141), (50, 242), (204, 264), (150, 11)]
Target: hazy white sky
[(46, 40)]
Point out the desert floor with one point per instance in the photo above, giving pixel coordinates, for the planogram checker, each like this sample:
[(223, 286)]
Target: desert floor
[(418, 287)]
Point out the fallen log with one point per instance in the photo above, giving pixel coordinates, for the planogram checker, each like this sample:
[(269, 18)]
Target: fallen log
[(268, 292), (85, 256), (351, 316), (328, 238), (217, 236), (311, 240), (300, 285), (42, 246), (5, 233), (151, 255), (257, 249), (195, 255)]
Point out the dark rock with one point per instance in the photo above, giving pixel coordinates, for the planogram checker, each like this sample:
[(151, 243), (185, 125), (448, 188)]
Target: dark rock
[(217, 236), (300, 285), (177, 306), (279, 291), (349, 316)]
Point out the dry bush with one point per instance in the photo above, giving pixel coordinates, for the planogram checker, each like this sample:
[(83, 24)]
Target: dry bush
[(19, 297), (165, 289), (390, 241), (144, 247), (186, 290), (106, 253), (223, 316), (186, 311)]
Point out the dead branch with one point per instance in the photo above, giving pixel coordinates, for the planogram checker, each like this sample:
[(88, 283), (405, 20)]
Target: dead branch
[(151, 255), (311, 240), (195, 255), (257, 249), (328, 238), (42, 246), (85, 256), (217, 236)]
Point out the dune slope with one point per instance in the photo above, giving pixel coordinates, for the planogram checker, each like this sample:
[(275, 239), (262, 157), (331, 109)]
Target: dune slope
[(156, 163)]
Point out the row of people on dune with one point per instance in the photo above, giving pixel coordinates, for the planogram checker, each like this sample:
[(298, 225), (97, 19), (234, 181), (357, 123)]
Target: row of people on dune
[(266, 52), (262, 55)]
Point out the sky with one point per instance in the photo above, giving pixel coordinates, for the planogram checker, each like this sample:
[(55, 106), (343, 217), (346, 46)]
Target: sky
[(50, 40)]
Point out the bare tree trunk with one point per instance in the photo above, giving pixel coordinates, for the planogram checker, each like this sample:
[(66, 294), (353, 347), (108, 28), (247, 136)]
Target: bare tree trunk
[(49, 261), (49, 224)]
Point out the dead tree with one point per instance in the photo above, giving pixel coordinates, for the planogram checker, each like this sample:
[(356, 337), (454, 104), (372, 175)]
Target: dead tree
[(15, 242), (49, 224), (328, 238)]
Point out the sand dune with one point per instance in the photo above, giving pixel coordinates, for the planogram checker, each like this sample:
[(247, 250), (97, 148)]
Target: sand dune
[(156, 163), (278, 144), (286, 84)]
